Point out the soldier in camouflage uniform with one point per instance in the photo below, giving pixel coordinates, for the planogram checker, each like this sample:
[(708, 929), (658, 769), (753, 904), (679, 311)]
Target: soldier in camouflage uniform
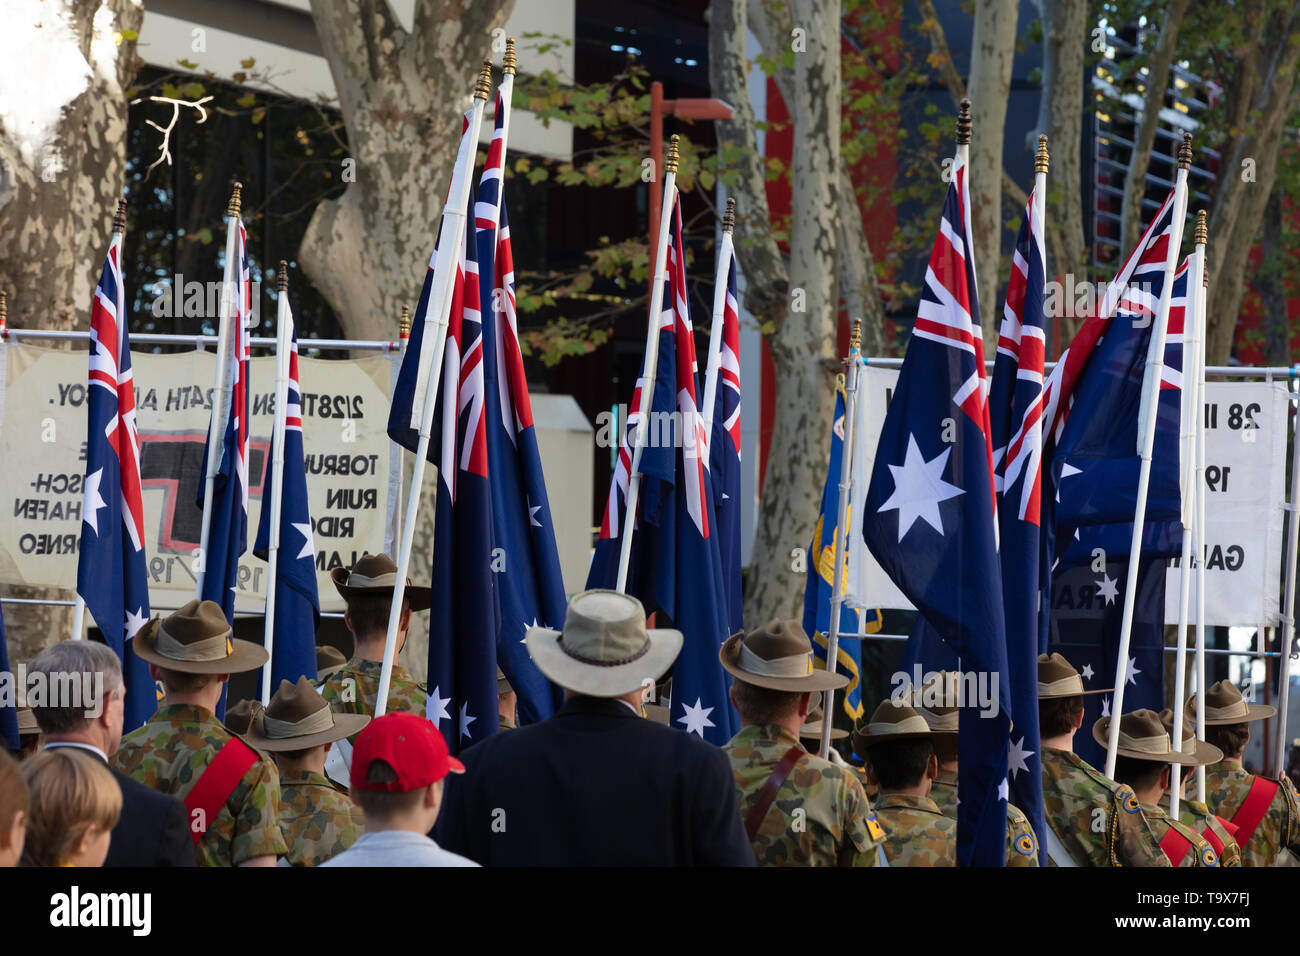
[(1218, 831), (1091, 820), (798, 809), (1143, 760), (368, 590), (941, 716), (329, 661), (900, 757), (193, 654), (316, 815), (1268, 824)]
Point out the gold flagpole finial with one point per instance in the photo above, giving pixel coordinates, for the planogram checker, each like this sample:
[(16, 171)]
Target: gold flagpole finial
[(282, 277), (1040, 157), (729, 217), (233, 208), (484, 83), (508, 64), (963, 123), (855, 335), (672, 153), (404, 326), (1185, 152), (1202, 233), (119, 217)]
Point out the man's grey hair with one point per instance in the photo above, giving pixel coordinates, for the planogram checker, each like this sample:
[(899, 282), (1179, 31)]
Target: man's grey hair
[(63, 663)]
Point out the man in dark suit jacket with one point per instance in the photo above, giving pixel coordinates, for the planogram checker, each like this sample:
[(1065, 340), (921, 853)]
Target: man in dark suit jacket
[(597, 784), (82, 707)]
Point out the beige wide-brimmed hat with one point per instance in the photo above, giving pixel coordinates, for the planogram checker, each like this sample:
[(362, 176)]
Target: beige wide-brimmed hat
[(605, 649), (1058, 678), (777, 656), (329, 661), (27, 722), (812, 727), (1143, 737), (195, 639), (1190, 743), (377, 574), (1224, 705), (938, 703), (298, 718), (889, 722)]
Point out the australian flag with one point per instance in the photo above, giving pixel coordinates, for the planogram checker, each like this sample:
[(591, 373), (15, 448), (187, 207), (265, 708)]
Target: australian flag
[(1016, 418), (676, 566), (724, 447), (112, 576), (463, 619), (820, 585), (228, 520), (297, 603), (9, 707), (929, 515), (530, 587)]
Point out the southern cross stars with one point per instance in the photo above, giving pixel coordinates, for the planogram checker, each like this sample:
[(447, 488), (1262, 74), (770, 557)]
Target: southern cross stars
[(435, 707), (1016, 757), (696, 718), (918, 489), (94, 500), (1108, 588)]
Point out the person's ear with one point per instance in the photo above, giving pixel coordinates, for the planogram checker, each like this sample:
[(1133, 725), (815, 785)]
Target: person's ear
[(1166, 775), (431, 796), (327, 748), (87, 837), (347, 621), (16, 829), (805, 706), (155, 672), (871, 773), (731, 695), (405, 621), (932, 767), (1078, 719)]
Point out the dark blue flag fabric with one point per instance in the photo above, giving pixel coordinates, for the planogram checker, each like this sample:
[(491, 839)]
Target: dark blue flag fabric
[(929, 517), (1087, 608), (228, 520), (112, 575), (9, 699), (297, 603), (676, 566), (530, 587), (1015, 415), (463, 618), (724, 452), (821, 583)]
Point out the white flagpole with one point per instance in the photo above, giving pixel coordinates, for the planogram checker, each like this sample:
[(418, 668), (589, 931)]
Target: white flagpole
[(841, 531), (1191, 416), (435, 340), (1146, 441), (1286, 633), (221, 382), (719, 318), (393, 517), (650, 369), (283, 346), (1200, 525)]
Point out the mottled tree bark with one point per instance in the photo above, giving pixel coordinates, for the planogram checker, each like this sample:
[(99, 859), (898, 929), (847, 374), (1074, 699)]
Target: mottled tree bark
[(1148, 120), (992, 48), (402, 96), (1271, 286), (58, 193)]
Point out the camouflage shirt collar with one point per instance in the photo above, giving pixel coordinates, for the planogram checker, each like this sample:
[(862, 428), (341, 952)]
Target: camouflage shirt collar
[(309, 779), (185, 714), (1156, 812), (946, 778), (769, 733), (895, 801), (363, 665)]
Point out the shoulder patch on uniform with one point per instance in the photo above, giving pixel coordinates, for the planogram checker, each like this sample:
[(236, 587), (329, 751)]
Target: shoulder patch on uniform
[(1131, 802), (1208, 858), (1025, 845), (874, 828)]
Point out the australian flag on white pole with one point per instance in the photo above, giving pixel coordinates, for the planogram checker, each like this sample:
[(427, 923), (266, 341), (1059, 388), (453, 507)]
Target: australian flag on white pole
[(1016, 420), (676, 566), (112, 575), (724, 451), (530, 587), (929, 514), (297, 602), (228, 528)]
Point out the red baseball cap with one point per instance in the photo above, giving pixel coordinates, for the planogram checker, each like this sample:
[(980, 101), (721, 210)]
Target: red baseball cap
[(411, 745)]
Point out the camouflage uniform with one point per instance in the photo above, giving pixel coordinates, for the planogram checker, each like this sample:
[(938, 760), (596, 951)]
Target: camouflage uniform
[(317, 819), (504, 722), (1201, 853), (1022, 845), (171, 751), (358, 681), (1073, 793), (838, 827), (916, 832), (1198, 817), (1226, 786)]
